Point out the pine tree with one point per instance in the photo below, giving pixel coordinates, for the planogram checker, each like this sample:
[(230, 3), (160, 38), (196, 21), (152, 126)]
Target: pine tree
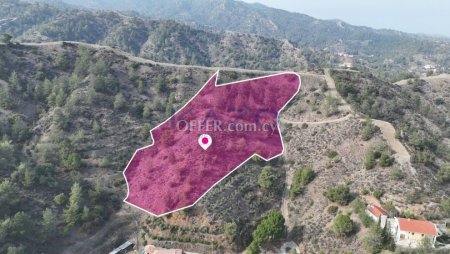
[(119, 102), (146, 113), (48, 224), (14, 82), (72, 214), (6, 101)]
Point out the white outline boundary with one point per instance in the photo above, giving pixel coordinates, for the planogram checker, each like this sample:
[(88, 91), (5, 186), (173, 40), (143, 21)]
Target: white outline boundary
[(215, 75)]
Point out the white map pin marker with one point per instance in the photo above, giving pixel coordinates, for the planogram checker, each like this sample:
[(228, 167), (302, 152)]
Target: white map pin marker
[(205, 141)]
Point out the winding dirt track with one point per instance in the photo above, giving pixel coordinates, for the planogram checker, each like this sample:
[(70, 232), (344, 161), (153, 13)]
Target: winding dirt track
[(402, 156), (148, 61)]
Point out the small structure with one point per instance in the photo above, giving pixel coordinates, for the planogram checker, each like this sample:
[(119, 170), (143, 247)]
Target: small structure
[(124, 248), (378, 214), (410, 233), (150, 249)]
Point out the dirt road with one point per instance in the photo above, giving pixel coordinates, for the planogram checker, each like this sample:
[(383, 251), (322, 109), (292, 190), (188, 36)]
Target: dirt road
[(402, 155), (343, 105), (148, 61)]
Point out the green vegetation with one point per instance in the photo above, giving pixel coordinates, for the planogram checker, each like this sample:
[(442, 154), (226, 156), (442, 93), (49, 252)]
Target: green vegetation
[(443, 174), (6, 38), (119, 102), (369, 160), (332, 209), (301, 178), (8, 197), (413, 197), (369, 130), (271, 227), (266, 178), (145, 132), (339, 194), (390, 208), (331, 105), (72, 213), (60, 199), (377, 239), (445, 206), (359, 207), (169, 105), (377, 193), (385, 160), (331, 154), (397, 174), (380, 154), (342, 225), (231, 231)]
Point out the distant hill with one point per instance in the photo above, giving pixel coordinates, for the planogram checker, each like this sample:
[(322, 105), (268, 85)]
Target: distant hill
[(389, 54), (259, 19), (169, 41), (165, 41)]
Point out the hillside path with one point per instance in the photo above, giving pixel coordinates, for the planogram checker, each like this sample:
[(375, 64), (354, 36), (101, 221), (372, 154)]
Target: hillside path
[(402, 156)]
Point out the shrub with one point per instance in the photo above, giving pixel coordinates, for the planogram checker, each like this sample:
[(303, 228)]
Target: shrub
[(6, 38), (377, 239), (231, 231), (389, 206), (369, 160), (359, 207), (60, 199), (340, 194), (145, 132), (72, 161), (342, 225), (9, 197), (96, 127), (266, 178), (377, 193), (408, 215), (104, 162), (301, 178), (119, 102), (443, 174), (397, 174), (413, 197), (445, 207), (369, 130), (331, 105), (385, 160), (331, 154), (332, 209)]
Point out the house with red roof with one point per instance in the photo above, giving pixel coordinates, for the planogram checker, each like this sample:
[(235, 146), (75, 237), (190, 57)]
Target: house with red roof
[(410, 232), (378, 214)]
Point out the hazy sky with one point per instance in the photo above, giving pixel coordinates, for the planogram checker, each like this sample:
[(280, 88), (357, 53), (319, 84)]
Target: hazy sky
[(415, 16)]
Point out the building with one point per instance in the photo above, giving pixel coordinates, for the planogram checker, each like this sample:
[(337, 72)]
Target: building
[(410, 233), (124, 248), (150, 249), (378, 214)]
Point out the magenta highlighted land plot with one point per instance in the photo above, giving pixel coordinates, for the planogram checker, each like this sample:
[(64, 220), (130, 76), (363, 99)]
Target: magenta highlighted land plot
[(217, 131)]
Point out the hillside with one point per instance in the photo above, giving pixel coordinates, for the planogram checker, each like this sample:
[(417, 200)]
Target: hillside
[(70, 120), (388, 55), (74, 114), (381, 50), (165, 41)]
